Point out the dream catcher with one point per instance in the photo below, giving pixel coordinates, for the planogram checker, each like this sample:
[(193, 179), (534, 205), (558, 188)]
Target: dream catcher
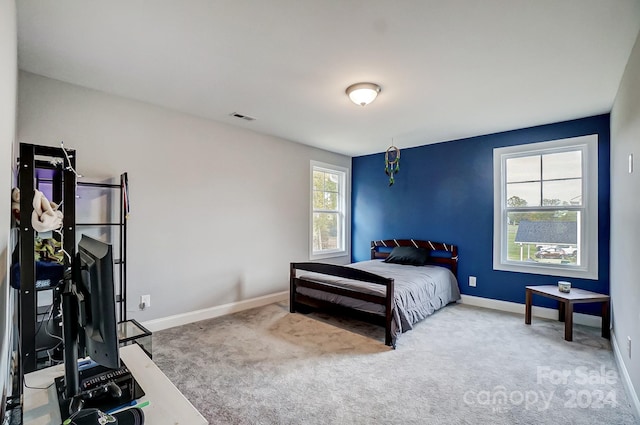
[(392, 163)]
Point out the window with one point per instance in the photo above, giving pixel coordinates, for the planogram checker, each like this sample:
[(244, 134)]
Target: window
[(546, 208), (328, 210)]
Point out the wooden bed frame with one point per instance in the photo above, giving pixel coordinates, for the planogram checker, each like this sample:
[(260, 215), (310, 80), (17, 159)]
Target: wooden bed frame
[(447, 256)]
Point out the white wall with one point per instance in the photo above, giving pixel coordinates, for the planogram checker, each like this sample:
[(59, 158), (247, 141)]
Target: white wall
[(8, 87), (217, 212), (625, 216), (8, 82)]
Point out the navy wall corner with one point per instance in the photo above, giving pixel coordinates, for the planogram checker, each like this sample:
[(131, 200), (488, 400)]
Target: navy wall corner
[(444, 192)]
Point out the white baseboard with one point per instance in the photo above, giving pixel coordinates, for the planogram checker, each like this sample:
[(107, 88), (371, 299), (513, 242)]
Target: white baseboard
[(211, 312), (631, 392), (546, 313), (221, 310)]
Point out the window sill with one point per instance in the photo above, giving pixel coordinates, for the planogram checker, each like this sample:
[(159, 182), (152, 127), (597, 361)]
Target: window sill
[(328, 254), (548, 271)]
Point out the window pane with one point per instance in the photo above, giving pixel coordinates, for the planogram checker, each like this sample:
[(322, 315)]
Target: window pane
[(331, 201), (562, 165), (523, 194), (546, 220), (328, 211), (562, 192), (318, 199), (326, 190), (543, 237), (331, 182), (523, 169), (318, 180), (325, 231)]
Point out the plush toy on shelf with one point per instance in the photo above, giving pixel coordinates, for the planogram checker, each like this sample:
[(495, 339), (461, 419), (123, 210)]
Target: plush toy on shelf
[(45, 216), (15, 204)]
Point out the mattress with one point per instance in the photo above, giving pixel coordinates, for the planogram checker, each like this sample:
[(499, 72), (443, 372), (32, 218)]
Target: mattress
[(419, 291)]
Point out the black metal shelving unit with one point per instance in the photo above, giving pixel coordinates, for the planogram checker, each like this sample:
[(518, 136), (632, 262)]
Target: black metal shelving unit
[(33, 158), (121, 261), (49, 165)]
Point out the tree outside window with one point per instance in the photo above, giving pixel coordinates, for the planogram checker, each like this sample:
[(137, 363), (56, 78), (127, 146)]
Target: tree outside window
[(545, 214), (328, 210)]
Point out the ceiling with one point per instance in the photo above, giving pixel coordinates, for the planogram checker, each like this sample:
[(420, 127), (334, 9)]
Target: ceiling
[(448, 68)]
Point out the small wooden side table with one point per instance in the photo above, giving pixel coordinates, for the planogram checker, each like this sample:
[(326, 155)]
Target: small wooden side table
[(566, 300)]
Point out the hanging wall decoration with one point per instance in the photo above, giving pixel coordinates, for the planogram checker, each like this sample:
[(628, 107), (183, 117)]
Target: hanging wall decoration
[(392, 163)]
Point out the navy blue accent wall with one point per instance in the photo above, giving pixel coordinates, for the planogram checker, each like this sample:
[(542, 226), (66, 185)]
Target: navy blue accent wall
[(444, 192)]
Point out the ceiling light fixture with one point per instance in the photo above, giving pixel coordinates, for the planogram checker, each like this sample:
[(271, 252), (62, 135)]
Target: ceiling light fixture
[(363, 93)]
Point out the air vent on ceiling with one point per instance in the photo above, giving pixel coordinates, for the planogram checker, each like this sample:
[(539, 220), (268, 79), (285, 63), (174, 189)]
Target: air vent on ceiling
[(242, 117)]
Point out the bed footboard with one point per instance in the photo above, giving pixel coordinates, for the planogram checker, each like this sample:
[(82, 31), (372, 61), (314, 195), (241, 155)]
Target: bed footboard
[(295, 299)]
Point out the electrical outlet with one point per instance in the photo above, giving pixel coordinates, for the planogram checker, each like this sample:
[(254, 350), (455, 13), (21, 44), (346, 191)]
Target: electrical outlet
[(472, 281), (629, 346), (145, 301)]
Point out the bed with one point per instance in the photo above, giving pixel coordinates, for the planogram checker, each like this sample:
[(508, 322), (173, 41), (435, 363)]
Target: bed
[(405, 281)]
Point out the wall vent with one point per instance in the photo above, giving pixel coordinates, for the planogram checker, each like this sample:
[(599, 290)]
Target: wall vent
[(242, 117)]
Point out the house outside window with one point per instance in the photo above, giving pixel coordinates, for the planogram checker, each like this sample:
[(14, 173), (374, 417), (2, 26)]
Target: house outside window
[(546, 208), (329, 210)]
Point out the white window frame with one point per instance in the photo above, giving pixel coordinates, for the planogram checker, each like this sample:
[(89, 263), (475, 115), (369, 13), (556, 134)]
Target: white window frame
[(344, 213), (588, 229)]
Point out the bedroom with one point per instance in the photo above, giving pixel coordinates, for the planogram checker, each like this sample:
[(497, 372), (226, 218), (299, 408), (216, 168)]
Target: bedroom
[(254, 176)]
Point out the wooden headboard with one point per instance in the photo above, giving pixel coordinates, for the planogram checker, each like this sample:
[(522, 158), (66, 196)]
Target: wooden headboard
[(445, 254)]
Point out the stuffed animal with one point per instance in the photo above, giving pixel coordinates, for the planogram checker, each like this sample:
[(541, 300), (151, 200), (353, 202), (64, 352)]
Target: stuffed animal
[(45, 216), (15, 204), (48, 250)]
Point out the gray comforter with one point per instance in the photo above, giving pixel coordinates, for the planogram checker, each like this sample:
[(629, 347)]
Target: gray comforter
[(418, 291)]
